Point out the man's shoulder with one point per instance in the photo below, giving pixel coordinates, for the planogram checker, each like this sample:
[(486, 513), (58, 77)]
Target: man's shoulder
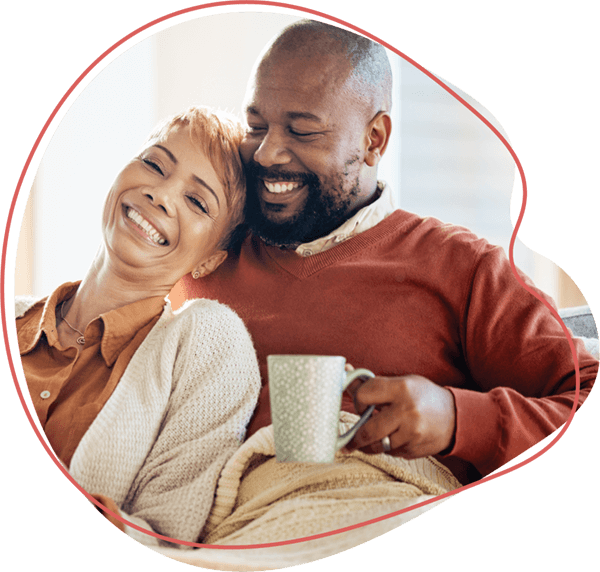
[(431, 232)]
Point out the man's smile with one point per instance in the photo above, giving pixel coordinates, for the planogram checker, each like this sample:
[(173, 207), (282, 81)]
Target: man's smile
[(280, 192), (280, 187)]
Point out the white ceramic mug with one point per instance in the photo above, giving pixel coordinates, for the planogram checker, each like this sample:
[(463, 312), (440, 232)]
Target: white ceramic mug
[(306, 397)]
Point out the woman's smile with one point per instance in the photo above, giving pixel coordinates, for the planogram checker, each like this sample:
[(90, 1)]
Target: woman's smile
[(144, 227)]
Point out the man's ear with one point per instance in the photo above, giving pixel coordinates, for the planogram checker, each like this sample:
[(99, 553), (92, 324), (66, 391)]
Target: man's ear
[(378, 136), (211, 264)]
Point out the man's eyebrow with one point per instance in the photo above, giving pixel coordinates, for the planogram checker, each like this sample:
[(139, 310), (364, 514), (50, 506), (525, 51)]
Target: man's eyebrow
[(196, 178), (303, 115), (251, 110)]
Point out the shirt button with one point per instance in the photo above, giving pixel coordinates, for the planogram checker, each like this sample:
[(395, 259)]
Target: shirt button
[(45, 394), (307, 253)]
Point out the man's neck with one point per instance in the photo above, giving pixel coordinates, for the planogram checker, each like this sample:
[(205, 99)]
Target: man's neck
[(365, 218), (372, 197)]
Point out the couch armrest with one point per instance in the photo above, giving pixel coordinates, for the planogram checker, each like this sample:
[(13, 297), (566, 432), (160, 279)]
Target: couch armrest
[(580, 321)]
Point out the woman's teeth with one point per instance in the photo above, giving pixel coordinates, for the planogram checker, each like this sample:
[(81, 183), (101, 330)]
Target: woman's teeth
[(280, 187), (138, 219)]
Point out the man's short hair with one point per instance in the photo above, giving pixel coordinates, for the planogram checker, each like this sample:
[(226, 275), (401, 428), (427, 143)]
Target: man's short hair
[(369, 61), (218, 135)]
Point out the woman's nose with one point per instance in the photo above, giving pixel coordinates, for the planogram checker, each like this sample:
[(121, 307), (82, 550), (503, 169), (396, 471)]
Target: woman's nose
[(163, 197), (272, 150)]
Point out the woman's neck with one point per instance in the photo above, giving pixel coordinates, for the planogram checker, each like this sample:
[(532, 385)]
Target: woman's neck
[(107, 287)]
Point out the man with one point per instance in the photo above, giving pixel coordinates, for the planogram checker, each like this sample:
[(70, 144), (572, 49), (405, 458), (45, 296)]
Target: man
[(470, 367)]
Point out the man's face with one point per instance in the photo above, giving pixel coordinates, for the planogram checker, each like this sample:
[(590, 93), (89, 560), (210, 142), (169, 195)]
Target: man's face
[(304, 149)]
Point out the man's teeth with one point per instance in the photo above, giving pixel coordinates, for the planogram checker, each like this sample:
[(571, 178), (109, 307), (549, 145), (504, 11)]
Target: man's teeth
[(280, 187), (138, 219)]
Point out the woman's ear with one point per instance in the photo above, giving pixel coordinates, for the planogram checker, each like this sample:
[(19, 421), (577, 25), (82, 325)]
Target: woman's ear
[(378, 136), (210, 265)]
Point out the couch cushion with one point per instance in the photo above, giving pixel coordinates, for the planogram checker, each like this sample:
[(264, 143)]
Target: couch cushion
[(580, 321)]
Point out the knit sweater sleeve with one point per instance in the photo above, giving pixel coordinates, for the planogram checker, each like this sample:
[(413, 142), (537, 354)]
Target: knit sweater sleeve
[(522, 370), (215, 385)]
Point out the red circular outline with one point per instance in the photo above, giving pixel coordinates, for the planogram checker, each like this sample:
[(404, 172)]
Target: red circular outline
[(514, 235)]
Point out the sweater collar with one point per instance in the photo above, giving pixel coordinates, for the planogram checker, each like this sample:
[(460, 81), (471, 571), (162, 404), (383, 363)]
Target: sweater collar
[(301, 267), (364, 219)]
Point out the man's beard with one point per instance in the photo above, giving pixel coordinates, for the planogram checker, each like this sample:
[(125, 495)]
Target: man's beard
[(325, 208)]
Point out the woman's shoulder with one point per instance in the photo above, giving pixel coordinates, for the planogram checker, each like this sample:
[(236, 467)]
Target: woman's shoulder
[(202, 315), (205, 329), (25, 303), (202, 307)]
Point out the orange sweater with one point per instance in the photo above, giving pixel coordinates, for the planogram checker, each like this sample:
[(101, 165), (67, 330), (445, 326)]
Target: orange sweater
[(414, 296)]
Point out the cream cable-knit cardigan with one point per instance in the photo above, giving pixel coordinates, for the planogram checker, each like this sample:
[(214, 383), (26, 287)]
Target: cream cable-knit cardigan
[(177, 415)]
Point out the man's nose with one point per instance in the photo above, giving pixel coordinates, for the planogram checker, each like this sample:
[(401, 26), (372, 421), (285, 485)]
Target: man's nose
[(272, 150)]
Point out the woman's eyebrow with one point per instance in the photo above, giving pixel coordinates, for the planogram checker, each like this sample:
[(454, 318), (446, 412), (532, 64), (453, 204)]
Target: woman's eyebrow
[(195, 177), (171, 156)]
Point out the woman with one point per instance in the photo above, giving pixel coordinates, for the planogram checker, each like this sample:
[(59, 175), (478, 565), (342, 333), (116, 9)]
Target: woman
[(142, 404)]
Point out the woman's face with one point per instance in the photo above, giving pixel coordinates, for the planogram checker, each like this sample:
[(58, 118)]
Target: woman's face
[(167, 210)]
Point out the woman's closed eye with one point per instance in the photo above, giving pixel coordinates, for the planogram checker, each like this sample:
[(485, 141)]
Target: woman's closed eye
[(197, 203), (153, 165)]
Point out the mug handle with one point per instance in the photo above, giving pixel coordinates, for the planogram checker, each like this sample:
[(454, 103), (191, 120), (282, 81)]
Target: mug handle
[(347, 436)]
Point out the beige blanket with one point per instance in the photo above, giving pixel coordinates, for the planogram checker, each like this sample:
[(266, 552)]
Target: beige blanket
[(261, 501)]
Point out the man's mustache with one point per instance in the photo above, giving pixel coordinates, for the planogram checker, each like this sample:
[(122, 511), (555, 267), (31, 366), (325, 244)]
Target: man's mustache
[(256, 170)]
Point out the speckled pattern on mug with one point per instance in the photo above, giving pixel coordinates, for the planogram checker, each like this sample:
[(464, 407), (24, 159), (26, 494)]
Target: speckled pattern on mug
[(306, 394)]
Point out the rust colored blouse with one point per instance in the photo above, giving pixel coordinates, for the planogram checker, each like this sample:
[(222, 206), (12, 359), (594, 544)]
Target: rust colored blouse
[(68, 389)]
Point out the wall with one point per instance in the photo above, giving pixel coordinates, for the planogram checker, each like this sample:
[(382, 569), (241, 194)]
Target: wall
[(451, 165)]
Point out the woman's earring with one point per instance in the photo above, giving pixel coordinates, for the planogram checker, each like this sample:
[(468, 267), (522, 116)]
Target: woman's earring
[(196, 275)]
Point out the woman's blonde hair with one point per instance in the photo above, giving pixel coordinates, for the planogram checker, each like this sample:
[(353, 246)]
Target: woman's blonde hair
[(218, 135)]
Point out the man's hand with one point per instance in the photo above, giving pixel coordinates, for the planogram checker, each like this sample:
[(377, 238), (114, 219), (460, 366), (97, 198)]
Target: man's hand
[(418, 416)]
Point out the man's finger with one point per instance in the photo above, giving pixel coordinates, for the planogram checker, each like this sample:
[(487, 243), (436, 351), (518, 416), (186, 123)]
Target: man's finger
[(383, 424), (354, 386), (378, 391)]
